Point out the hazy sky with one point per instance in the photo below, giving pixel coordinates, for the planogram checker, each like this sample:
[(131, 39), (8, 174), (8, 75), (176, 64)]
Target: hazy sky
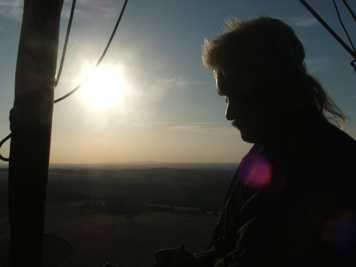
[(171, 112)]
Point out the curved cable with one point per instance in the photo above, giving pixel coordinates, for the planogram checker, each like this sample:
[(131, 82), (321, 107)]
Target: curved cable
[(63, 57), (349, 9), (102, 55), (353, 64), (1, 144), (349, 49), (64, 51), (343, 25), (68, 94)]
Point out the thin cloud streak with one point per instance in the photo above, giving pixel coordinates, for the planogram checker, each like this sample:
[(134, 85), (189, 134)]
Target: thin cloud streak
[(317, 65), (154, 90), (200, 128), (303, 21), (203, 128), (11, 9), (90, 8)]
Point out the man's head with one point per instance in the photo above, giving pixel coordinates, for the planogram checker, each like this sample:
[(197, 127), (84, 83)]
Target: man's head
[(259, 68)]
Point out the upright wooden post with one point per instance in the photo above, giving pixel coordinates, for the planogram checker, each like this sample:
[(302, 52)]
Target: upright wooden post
[(31, 123)]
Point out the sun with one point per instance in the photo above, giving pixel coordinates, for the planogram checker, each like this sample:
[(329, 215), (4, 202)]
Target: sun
[(105, 86)]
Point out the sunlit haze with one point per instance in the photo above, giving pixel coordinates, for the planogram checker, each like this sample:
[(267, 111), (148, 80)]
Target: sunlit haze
[(151, 100), (104, 87)]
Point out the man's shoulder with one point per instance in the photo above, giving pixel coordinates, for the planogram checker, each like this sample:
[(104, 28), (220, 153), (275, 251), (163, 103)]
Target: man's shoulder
[(331, 148), (339, 139), (337, 151)]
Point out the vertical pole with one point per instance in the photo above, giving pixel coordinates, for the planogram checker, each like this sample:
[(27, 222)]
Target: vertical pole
[(31, 129)]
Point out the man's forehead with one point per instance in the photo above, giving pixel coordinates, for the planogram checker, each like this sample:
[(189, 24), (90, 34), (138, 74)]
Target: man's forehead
[(221, 90), (220, 72), (232, 82)]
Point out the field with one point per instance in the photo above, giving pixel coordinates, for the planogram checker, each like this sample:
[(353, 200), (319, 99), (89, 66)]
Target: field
[(123, 215)]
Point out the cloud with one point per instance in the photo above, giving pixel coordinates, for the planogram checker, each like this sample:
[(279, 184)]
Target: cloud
[(93, 8), (11, 9), (303, 21), (192, 128), (205, 128), (316, 65), (155, 90)]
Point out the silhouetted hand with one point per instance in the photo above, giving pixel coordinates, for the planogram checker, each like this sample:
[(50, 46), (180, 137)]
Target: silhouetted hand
[(109, 265), (175, 257)]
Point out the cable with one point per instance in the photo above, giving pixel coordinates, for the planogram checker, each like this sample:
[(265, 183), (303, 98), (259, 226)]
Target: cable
[(64, 51), (68, 94), (343, 26), (1, 143), (330, 30), (63, 57), (349, 9), (102, 55), (353, 62)]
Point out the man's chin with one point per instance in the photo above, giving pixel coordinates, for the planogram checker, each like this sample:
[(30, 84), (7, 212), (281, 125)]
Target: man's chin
[(246, 137)]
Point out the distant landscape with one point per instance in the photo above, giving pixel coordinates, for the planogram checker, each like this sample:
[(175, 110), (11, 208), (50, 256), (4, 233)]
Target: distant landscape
[(123, 214)]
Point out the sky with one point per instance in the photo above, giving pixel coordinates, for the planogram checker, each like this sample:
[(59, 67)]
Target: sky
[(168, 110)]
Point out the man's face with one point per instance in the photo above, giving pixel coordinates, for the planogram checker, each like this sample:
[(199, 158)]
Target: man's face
[(247, 112)]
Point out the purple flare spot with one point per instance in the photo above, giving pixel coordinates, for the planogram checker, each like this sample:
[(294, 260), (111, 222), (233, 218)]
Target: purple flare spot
[(255, 170)]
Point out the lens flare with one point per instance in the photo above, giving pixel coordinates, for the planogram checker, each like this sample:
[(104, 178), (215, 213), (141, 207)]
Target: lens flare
[(255, 170)]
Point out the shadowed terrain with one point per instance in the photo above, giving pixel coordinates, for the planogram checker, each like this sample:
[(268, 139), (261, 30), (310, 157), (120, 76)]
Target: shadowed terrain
[(122, 215)]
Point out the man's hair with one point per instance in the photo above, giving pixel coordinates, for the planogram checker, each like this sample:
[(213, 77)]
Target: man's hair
[(269, 49)]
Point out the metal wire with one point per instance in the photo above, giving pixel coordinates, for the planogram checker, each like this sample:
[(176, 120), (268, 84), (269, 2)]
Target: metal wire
[(329, 29), (349, 9), (1, 144), (102, 55), (64, 51), (343, 26), (63, 58)]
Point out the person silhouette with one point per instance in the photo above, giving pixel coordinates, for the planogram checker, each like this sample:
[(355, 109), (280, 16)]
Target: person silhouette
[(291, 201)]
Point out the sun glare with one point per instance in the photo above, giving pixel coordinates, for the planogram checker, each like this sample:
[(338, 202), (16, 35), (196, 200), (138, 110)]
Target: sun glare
[(105, 87)]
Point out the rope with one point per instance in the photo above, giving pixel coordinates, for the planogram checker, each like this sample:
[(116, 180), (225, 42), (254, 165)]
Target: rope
[(343, 26), (69, 27), (8, 137), (102, 55)]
